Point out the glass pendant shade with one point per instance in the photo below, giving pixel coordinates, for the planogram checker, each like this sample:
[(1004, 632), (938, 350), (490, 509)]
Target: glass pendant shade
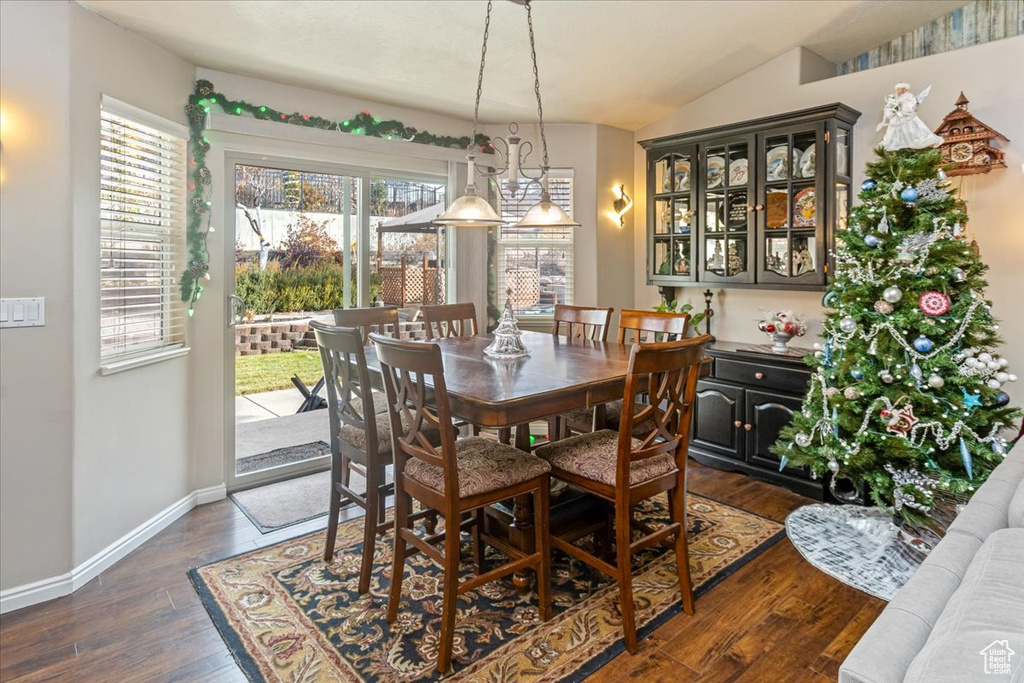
[(470, 211), (546, 214)]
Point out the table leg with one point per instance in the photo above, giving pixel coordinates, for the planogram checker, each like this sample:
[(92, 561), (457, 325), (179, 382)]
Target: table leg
[(521, 530)]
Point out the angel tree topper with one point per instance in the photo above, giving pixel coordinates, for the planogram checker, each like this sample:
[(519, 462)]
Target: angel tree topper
[(904, 130)]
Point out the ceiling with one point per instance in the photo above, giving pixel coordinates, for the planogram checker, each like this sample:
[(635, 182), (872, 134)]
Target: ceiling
[(623, 63)]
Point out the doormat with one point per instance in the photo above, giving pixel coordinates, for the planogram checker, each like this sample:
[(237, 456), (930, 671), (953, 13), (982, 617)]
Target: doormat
[(281, 456), (285, 503)]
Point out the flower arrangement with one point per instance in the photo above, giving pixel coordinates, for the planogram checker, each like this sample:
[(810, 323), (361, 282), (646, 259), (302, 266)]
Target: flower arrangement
[(781, 326)]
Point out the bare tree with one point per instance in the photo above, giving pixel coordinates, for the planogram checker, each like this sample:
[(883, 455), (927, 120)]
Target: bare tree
[(250, 191)]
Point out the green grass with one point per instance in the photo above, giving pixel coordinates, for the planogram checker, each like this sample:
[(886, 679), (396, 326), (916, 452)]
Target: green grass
[(273, 371)]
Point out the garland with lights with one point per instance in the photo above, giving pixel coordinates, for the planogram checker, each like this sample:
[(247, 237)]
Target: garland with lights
[(905, 397), (202, 101)]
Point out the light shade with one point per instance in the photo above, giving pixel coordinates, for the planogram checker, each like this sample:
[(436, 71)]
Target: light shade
[(469, 211), (546, 214)]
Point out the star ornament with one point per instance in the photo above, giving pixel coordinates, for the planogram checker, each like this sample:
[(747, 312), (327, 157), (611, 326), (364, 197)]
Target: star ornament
[(899, 420), (971, 400)]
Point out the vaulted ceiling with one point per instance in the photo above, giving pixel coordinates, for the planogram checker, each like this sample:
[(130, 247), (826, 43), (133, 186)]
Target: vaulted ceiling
[(624, 63)]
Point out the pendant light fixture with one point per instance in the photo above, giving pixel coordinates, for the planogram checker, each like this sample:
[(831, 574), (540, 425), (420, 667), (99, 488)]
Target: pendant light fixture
[(471, 210)]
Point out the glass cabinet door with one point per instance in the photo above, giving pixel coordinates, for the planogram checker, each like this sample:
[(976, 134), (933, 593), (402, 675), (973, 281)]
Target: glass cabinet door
[(672, 246), (791, 206), (726, 246)]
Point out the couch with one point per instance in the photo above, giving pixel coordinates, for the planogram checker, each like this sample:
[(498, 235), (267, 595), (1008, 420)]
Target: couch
[(961, 616)]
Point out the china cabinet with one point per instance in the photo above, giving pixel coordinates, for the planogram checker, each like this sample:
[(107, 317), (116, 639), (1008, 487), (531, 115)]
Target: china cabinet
[(752, 204)]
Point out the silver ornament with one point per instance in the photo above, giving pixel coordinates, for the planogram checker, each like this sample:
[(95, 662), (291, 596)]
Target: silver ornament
[(994, 384), (848, 325), (833, 466), (885, 376), (873, 347), (936, 382), (959, 275), (883, 225), (803, 440), (1012, 377), (850, 393), (892, 294), (1002, 376)]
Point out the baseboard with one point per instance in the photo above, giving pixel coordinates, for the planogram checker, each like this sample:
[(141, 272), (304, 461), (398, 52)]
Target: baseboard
[(65, 584)]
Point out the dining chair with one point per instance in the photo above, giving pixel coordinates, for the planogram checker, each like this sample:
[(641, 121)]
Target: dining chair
[(624, 469), (360, 438), (380, 319), (463, 476), (635, 327), (450, 320), (577, 322)]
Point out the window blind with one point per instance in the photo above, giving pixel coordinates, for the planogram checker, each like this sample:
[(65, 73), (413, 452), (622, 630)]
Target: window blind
[(536, 263), (142, 232)]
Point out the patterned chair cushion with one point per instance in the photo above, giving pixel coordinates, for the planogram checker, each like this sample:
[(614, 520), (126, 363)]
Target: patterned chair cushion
[(582, 419), (595, 456), (484, 465), (357, 437)]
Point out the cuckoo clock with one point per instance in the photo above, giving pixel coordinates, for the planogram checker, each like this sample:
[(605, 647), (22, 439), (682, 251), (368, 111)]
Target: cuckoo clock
[(967, 142)]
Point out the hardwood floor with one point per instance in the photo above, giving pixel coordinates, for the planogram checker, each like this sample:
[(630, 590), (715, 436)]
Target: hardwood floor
[(776, 619)]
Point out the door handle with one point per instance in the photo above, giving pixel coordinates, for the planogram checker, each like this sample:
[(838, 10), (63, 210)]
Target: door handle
[(236, 310)]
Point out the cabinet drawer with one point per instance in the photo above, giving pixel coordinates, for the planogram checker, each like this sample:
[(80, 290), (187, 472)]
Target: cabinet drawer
[(767, 376)]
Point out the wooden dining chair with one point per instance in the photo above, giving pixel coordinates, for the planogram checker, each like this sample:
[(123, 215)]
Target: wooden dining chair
[(450, 320), (635, 327), (463, 476), (381, 319), (360, 438), (577, 322), (624, 469)]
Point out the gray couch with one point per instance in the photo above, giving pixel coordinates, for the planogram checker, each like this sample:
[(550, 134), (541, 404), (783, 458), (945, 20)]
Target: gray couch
[(961, 617)]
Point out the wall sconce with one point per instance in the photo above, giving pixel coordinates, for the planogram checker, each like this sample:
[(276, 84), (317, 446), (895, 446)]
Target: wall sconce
[(623, 203)]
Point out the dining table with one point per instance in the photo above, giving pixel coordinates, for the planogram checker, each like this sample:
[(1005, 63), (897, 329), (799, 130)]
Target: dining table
[(558, 375)]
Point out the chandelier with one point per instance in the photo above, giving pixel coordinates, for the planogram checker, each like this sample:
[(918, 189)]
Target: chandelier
[(473, 211)]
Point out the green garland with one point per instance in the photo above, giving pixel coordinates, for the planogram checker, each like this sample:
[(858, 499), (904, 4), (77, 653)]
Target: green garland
[(201, 102)]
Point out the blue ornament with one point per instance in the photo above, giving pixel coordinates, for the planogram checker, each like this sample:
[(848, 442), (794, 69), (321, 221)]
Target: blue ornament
[(1002, 399), (915, 372), (970, 400), (857, 374), (998, 448), (909, 195), (782, 463), (869, 184), (965, 457), (829, 298), (872, 241), (835, 423), (923, 344)]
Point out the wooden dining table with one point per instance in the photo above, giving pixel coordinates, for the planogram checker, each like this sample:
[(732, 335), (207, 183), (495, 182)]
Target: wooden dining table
[(558, 375)]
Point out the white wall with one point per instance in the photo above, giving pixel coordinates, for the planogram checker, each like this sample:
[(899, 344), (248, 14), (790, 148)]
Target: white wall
[(131, 455), (991, 76), (36, 387)]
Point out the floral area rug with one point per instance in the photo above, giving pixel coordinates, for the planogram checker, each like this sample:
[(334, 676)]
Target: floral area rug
[(286, 615)]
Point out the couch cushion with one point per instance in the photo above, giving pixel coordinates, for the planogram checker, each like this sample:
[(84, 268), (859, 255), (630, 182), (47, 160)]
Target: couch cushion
[(979, 519), (986, 611), (1015, 510)]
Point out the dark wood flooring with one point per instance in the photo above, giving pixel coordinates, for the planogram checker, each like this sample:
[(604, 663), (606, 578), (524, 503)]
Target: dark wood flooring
[(776, 619)]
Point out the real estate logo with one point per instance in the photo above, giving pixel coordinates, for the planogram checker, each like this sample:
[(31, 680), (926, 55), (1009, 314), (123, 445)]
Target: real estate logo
[(997, 657)]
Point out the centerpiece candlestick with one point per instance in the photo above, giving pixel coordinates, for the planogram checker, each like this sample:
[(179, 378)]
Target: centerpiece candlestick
[(508, 342)]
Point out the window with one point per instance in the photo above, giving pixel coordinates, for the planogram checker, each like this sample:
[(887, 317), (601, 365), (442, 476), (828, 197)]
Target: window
[(536, 263), (142, 230)]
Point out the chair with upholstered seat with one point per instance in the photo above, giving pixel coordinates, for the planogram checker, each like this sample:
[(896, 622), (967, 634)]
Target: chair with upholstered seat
[(635, 327), (624, 468), (450, 320), (360, 437), (460, 477), (577, 323)]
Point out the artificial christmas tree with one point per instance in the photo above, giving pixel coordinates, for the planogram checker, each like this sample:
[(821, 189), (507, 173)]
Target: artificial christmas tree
[(906, 394)]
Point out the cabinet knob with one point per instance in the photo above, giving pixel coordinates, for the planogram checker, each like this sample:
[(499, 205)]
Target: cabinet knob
[(738, 424), (751, 208), (748, 427), (758, 375), (759, 207)]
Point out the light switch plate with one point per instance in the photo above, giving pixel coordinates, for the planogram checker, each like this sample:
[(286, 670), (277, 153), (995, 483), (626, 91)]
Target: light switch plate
[(30, 312)]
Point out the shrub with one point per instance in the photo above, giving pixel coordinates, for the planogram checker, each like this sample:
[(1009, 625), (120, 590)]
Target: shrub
[(306, 244), (274, 290)]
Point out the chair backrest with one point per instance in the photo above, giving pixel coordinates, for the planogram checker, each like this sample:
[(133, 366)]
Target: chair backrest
[(349, 397), (668, 373), (373, 319), (581, 322), (407, 366), (450, 320), (645, 327)]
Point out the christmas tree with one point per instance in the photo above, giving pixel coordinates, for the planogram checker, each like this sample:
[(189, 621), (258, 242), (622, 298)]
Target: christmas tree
[(906, 394)]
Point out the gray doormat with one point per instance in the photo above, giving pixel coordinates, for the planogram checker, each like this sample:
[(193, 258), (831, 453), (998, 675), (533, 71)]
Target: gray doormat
[(285, 503), (281, 456)]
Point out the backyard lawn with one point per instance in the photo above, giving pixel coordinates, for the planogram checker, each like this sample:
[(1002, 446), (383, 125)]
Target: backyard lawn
[(273, 371)]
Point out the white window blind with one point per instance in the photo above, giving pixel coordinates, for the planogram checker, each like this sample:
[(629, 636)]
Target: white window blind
[(142, 232), (536, 263)]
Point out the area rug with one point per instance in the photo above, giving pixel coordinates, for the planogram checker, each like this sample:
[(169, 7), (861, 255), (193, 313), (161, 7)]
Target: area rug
[(286, 615), (288, 502), (856, 545), (281, 456)]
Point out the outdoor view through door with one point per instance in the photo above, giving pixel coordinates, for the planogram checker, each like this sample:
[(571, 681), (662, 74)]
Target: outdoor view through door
[(300, 237)]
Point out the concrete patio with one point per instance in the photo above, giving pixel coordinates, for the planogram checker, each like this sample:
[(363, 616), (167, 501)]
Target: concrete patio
[(267, 421)]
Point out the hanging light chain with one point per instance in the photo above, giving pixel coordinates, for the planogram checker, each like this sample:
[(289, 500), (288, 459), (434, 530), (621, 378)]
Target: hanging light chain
[(536, 87), (480, 77)]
